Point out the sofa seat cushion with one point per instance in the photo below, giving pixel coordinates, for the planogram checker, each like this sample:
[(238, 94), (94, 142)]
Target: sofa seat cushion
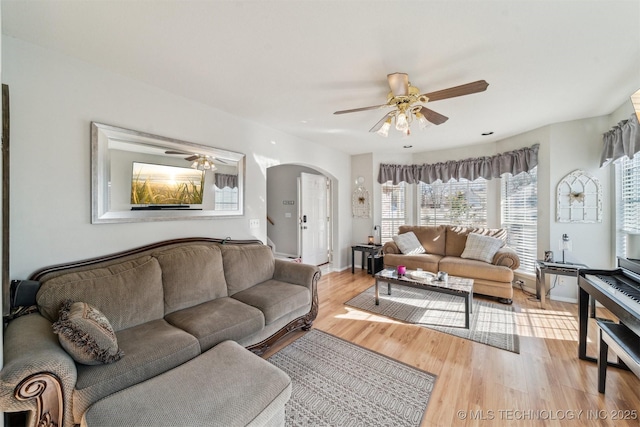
[(150, 349), (275, 298), (456, 266), (427, 262), (218, 320)]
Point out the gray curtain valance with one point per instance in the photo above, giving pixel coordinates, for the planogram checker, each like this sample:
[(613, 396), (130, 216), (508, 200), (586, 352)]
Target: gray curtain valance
[(513, 162), (226, 180), (622, 140)]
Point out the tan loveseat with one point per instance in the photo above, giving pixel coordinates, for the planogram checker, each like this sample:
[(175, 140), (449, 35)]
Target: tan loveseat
[(444, 244), (168, 304)]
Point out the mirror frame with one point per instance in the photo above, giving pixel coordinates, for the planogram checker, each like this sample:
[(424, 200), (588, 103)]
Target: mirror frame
[(102, 134)]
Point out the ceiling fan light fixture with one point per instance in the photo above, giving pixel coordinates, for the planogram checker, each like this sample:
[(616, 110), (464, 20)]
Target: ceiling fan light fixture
[(422, 121), (402, 124), (203, 163), (384, 130)]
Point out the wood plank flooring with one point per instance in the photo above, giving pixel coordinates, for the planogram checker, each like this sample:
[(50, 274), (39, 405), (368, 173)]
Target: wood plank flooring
[(478, 385)]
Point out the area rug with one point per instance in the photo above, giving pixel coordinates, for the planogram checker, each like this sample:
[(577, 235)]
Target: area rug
[(337, 383), (490, 323)]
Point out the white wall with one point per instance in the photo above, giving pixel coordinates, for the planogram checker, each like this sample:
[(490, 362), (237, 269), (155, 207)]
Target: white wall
[(54, 99)]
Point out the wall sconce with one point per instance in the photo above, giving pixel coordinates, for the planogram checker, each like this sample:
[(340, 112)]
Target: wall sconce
[(564, 245)]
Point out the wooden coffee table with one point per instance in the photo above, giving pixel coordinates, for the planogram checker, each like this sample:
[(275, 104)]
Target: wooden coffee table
[(457, 286)]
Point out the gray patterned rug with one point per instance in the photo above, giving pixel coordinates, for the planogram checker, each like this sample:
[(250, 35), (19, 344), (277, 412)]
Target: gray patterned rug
[(492, 324), (337, 383)]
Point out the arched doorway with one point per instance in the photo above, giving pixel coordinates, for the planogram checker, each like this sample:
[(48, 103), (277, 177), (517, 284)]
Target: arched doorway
[(294, 229)]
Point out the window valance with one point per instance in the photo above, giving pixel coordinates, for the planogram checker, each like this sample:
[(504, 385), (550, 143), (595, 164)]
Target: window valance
[(622, 140), (226, 180), (513, 162)]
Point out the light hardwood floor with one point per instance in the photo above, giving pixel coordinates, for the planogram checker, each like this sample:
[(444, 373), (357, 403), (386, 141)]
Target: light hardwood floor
[(546, 384)]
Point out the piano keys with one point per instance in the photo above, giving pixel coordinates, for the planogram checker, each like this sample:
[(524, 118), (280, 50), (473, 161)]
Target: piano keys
[(618, 290)]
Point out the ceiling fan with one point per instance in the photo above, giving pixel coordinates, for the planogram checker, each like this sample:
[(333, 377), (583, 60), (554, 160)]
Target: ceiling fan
[(193, 157), (407, 103)]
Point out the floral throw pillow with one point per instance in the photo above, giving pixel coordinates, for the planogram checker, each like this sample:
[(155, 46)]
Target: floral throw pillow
[(86, 334), (481, 248), (408, 243)]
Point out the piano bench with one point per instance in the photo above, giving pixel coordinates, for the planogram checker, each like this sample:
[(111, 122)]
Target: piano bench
[(624, 343)]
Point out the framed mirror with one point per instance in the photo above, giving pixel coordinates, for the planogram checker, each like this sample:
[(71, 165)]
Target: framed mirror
[(136, 176)]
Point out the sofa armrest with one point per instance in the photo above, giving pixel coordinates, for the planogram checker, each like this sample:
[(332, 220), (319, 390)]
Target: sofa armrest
[(296, 273), (507, 257), (38, 375), (391, 248)]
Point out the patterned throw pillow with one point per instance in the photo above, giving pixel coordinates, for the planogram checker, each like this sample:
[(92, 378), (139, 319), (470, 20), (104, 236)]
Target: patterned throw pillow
[(408, 243), (481, 248), (86, 334)]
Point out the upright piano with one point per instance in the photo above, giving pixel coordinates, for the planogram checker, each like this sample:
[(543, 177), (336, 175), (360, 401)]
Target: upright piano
[(618, 290)]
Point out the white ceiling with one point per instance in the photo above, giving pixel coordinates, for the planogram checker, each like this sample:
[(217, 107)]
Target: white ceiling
[(289, 65)]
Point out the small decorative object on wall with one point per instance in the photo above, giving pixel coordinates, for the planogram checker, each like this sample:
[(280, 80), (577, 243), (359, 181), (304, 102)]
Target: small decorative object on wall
[(360, 200), (579, 198)]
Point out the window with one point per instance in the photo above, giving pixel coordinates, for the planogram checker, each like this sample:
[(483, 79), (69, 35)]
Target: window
[(627, 201), (455, 202), (226, 199), (520, 215), (393, 210)]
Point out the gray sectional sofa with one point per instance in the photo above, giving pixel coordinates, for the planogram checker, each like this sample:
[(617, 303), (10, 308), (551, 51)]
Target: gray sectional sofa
[(168, 303)]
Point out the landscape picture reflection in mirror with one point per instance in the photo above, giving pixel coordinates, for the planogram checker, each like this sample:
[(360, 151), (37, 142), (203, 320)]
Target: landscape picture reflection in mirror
[(153, 184)]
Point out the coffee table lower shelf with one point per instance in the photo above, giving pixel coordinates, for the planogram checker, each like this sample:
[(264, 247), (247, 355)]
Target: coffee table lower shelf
[(456, 286)]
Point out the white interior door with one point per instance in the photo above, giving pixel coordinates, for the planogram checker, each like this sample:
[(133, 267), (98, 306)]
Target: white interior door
[(313, 219)]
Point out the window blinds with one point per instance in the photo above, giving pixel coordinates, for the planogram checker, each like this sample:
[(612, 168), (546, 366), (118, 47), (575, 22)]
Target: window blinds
[(393, 210), (520, 216), (460, 202)]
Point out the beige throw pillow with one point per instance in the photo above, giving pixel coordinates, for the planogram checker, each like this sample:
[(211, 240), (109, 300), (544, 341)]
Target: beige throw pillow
[(86, 334), (408, 243), (481, 248)]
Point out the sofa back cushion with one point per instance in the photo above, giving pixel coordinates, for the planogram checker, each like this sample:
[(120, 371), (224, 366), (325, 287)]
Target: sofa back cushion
[(246, 266), (457, 237), (128, 293), (191, 275), (432, 238)]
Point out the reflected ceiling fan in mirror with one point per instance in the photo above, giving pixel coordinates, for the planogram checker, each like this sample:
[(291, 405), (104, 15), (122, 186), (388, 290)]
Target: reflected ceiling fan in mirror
[(200, 162), (407, 102)]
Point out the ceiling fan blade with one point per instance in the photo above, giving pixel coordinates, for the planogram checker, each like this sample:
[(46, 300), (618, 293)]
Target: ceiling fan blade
[(175, 152), (192, 158), (378, 125), (355, 110), (461, 90), (399, 84), (432, 116)]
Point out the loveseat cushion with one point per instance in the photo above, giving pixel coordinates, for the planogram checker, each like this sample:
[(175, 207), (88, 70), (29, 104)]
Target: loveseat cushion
[(432, 238), (218, 320), (150, 349), (275, 298), (427, 262), (481, 248), (457, 266), (246, 265), (191, 275), (408, 243), (128, 293), (457, 237)]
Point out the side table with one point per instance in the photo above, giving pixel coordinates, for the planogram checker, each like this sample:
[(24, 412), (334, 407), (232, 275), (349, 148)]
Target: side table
[(367, 250), (559, 269)]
